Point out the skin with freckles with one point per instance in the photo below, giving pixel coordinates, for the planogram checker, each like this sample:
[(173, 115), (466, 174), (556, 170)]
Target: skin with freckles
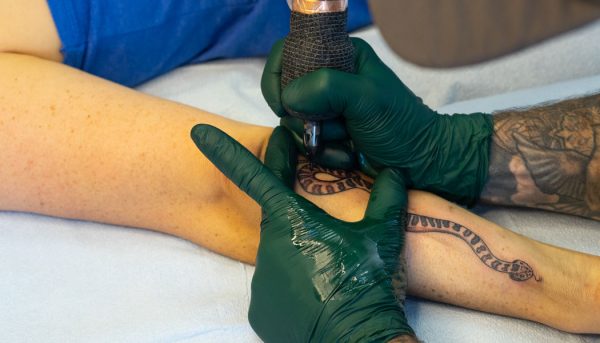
[(76, 146), (445, 268), (317, 278), (38, 38), (109, 154)]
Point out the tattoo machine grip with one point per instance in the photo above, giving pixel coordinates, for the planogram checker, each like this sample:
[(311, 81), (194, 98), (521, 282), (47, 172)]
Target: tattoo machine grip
[(316, 40)]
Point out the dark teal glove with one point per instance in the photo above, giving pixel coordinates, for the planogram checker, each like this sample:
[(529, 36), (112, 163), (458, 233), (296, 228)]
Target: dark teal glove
[(388, 124), (317, 279)]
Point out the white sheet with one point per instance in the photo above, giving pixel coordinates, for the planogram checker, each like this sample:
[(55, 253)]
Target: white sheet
[(569, 56), (72, 281)]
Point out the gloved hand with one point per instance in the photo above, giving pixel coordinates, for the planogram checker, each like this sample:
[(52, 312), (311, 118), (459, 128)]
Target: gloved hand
[(317, 279), (387, 123)]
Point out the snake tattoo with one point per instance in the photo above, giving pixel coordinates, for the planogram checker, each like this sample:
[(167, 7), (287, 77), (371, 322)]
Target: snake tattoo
[(517, 270), (312, 180), (318, 180)]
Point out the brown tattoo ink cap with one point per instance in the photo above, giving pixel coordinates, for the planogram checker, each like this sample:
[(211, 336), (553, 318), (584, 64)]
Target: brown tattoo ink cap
[(318, 6)]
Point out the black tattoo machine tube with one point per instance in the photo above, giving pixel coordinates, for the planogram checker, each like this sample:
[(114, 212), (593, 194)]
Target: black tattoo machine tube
[(318, 39)]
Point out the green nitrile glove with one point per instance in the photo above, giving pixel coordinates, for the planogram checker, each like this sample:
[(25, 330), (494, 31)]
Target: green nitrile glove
[(317, 279), (388, 124)]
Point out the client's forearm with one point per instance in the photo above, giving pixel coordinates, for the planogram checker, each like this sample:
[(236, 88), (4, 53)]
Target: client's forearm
[(75, 146), (548, 157), (79, 147), (457, 257)]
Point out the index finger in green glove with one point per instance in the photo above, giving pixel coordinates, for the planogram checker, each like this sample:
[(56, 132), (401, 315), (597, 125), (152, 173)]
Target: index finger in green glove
[(282, 157), (387, 204), (388, 196), (240, 166)]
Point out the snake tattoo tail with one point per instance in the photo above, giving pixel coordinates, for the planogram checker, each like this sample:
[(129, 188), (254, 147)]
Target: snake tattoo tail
[(517, 270)]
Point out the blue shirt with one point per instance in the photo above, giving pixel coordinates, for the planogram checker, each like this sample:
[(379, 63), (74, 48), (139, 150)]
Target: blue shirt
[(131, 41)]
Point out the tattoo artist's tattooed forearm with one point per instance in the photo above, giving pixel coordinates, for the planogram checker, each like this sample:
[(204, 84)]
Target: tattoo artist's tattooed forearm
[(318, 180), (548, 157), (517, 270)]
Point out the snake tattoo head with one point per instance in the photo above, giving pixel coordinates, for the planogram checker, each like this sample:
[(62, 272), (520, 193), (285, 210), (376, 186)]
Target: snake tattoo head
[(521, 271), (517, 270)]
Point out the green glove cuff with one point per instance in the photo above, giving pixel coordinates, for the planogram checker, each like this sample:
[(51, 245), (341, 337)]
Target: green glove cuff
[(457, 165), (366, 319)]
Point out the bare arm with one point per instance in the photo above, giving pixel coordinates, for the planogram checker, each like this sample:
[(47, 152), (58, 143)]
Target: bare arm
[(548, 157), (27, 27), (456, 257), (76, 146)]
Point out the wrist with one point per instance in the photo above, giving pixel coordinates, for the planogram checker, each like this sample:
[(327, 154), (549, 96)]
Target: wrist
[(382, 331), (363, 319), (457, 167)]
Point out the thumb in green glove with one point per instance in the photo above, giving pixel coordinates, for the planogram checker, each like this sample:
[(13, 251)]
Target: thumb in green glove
[(317, 279)]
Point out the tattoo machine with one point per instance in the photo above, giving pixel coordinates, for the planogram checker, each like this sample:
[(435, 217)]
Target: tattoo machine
[(317, 39)]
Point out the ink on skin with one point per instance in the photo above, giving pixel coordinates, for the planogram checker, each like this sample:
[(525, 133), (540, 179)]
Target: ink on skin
[(338, 181)]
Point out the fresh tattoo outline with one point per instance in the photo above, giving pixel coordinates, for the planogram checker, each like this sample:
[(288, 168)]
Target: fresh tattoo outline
[(338, 180)]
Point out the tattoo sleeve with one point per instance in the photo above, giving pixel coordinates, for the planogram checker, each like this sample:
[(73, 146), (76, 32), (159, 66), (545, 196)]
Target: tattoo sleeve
[(548, 157)]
